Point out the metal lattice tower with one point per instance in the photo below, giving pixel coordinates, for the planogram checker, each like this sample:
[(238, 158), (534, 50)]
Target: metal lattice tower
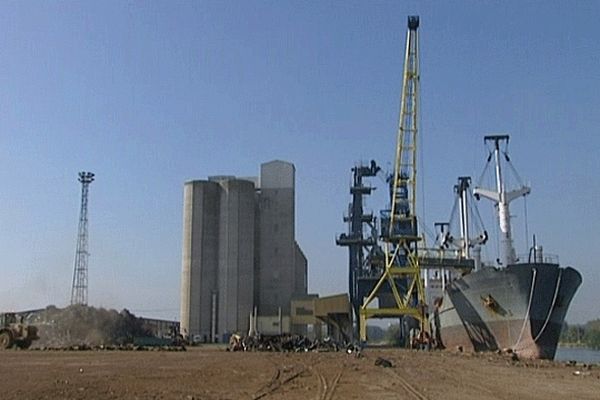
[(402, 274), (79, 290), (365, 255)]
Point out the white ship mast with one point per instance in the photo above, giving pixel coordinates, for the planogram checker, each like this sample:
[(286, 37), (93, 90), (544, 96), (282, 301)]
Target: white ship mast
[(468, 246), (502, 198)]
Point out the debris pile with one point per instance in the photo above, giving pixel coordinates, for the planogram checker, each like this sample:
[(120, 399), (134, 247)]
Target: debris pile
[(122, 347), (84, 327), (288, 343)]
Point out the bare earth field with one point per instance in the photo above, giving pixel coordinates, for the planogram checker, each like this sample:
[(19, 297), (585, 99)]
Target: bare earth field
[(210, 373)]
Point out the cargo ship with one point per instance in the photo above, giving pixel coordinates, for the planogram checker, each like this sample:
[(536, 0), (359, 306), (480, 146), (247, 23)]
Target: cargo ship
[(518, 305)]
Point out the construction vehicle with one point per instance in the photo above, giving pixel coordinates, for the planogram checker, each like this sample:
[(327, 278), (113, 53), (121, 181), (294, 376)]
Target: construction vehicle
[(16, 333)]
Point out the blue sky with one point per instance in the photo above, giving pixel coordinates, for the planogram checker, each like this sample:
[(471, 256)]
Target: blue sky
[(150, 94)]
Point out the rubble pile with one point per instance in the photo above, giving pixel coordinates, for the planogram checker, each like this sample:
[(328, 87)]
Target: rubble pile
[(288, 343), (79, 326), (121, 347)]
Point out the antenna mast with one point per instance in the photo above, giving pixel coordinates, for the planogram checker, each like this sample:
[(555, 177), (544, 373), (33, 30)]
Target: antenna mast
[(79, 290)]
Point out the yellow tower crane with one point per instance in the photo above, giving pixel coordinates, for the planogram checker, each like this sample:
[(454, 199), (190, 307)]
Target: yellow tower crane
[(402, 274)]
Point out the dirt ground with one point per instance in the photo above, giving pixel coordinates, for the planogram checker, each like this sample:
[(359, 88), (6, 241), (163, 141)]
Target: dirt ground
[(211, 373)]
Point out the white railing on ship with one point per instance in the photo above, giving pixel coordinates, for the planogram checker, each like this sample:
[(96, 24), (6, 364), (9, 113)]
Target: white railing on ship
[(547, 258), (440, 254)]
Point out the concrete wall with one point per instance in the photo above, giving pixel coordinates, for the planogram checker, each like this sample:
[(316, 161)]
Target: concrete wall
[(270, 325), (300, 271), (200, 256), (276, 244), (303, 310), (236, 256)]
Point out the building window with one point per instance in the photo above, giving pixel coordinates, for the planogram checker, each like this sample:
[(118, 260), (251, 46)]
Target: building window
[(303, 311)]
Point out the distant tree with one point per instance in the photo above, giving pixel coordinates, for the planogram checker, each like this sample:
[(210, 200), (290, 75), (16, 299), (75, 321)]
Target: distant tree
[(572, 333), (593, 325), (564, 333), (592, 334), (392, 335), (375, 333), (592, 339)]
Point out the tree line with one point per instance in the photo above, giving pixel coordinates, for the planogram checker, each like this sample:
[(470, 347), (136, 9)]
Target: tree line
[(586, 335), (583, 335)]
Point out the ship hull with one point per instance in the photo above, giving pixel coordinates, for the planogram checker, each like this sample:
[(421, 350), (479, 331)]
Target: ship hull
[(521, 307)]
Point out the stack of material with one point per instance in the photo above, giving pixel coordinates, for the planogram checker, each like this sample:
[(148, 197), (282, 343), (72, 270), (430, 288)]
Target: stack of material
[(85, 326), (122, 347), (286, 343)]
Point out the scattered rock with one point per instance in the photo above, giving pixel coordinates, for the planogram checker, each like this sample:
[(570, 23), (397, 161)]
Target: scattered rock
[(581, 373), (382, 362)]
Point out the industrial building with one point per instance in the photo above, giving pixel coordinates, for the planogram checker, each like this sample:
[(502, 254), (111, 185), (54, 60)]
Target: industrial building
[(240, 254)]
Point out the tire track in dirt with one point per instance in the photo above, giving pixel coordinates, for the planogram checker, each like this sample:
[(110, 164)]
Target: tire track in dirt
[(477, 388), (442, 373), (410, 389), (322, 382), (281, 377), (334, 384), (269, 385), (326, 389), (277, 384)]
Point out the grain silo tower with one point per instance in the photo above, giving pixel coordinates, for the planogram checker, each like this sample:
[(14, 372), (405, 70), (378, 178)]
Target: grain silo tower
[(201, 205), (239, 252), (236, 255), (276, 272)]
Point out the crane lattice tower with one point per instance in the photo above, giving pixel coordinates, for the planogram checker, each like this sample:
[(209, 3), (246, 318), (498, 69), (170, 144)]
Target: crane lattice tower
[(79, 290), (402, 274)]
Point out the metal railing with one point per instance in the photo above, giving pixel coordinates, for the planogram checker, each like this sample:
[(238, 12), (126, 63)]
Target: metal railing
[(546, 258)]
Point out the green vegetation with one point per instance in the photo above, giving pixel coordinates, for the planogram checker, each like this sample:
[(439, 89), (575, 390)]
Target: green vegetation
[(392, 335), (375, 333), (389, 336), (587, 335)]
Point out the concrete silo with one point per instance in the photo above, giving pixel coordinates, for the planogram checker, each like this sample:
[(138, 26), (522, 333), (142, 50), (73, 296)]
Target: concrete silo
[(276, 244), (200, 258), (239, 251), (236, 255)]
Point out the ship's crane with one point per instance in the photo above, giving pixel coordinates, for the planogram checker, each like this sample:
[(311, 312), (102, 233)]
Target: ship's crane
[(400, 288), (466, 242), (466, 245)]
